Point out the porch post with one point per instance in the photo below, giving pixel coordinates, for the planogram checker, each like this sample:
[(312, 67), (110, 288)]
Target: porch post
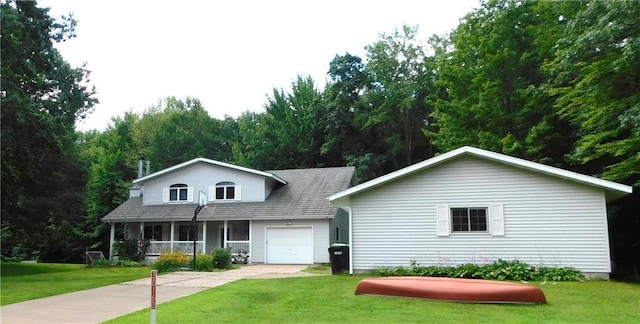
[(141, 232), (204, 237), (173, 227), (224, 234), (112, 237)]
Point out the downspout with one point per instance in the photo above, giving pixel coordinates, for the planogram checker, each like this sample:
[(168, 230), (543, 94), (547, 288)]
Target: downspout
[(350, 240)]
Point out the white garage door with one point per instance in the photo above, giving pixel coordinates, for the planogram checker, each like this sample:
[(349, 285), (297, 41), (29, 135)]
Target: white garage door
[(289, 245)]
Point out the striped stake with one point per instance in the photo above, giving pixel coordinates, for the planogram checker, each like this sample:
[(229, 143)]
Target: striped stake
[(154, 275)]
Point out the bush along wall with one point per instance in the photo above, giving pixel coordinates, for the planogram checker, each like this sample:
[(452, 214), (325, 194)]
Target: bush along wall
[(498, 270), (132, 249)]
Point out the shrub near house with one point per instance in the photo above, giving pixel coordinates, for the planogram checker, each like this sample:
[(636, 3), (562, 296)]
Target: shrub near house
[(498, 270)]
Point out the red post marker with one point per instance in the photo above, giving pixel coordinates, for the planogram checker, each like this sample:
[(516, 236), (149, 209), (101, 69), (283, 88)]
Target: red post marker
[(154, 275)]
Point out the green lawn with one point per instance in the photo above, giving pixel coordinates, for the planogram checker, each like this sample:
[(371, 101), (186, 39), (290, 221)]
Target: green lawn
[(331, 299), (26, 281)]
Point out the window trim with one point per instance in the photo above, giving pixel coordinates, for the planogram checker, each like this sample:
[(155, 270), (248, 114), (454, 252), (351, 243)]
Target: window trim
[(469, 223), (495, 218), (178, 187), (225, 186), (153, 227)]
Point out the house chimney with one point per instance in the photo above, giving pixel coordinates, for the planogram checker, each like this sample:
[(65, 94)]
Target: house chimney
[(140, 166), (148, 168)]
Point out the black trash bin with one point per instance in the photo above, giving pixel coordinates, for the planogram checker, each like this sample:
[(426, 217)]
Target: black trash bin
[(339, 256)]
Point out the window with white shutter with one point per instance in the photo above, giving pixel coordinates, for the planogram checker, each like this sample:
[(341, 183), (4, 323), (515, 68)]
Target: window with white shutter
[(477, 219), (225, 190), (178, 192)]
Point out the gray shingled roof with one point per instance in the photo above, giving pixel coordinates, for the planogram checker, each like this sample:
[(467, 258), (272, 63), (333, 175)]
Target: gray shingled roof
[(303, 197)]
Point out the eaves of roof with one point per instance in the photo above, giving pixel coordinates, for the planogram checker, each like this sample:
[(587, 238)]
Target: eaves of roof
[(214, 162), (614, 190)]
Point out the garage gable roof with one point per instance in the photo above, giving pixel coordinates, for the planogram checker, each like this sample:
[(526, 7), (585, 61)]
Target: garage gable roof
[(218, 163), (615, 189)]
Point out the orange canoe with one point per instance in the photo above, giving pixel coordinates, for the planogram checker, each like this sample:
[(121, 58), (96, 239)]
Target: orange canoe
[(452, 289)]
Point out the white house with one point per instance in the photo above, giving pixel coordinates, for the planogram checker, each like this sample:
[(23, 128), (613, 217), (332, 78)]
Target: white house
[(278, 217), (474, 206)]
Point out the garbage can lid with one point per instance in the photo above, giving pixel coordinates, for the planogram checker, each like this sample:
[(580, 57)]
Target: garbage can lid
[(339, 244)]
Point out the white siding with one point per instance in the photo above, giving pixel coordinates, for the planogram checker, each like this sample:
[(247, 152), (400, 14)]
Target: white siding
[(320, 238), (341, 221), (546, 221), (202, 175)]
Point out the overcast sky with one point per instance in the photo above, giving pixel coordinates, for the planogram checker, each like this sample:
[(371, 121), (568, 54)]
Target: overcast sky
[(231, 54)]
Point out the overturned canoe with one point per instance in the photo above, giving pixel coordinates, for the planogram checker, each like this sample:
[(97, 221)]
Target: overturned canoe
[(452, 289)]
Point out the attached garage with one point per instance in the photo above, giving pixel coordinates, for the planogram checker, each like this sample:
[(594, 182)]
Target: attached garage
[(289, 245)]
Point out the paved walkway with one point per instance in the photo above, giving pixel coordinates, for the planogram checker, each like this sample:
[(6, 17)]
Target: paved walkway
[(104, 303)]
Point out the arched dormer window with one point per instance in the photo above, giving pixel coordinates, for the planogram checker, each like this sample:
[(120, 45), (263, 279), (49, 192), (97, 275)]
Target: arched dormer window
[(178, 192), (227, 190)]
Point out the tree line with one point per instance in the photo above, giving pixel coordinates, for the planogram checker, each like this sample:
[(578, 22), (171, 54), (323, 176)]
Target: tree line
[(553, 82)]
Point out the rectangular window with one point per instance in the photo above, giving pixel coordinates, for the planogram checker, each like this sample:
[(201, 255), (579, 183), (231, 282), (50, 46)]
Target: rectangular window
[(185, 233), (231, 193), (178, 194), (153, 232), (183, 193), (225, 192), (220, 193), (469, 219)]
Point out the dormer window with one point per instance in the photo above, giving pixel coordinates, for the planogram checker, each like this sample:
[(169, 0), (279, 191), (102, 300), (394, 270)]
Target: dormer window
[(227, 190), (178, 192)]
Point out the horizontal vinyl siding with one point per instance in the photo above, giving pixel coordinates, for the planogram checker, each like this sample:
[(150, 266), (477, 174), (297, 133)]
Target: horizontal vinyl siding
[(320, 237), (547, 221), (201, 176)]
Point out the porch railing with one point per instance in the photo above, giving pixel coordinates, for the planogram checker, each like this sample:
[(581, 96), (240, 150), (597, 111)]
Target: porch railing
[(158, 247), (238, 247)]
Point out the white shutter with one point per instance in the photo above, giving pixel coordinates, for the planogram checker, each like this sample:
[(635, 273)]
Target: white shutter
[(189, 193), (165, 195), (442, 212), (212, 193), (238, 193), (497, 220)]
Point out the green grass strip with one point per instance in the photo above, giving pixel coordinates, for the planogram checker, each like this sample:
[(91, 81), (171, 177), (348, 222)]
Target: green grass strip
[(26, 281), (331, 299)]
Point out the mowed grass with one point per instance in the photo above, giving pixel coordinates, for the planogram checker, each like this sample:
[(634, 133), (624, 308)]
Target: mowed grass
[(26, 281), (331, 299)]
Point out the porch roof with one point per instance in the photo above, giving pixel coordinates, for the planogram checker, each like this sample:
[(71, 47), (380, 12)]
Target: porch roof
[(303, 197)]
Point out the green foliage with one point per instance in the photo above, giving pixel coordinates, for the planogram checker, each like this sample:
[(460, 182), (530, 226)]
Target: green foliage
[(204, 262), (127, 264), (493, 93), (101, 263), (171, 261), (42, 97), (499, 270), (131, 249), (222, 258)]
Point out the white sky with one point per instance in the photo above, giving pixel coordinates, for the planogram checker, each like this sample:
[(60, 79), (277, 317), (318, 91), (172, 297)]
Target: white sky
[(229, 55)]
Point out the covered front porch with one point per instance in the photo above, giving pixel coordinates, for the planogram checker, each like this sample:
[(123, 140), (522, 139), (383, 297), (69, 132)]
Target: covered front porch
[(178, 235)]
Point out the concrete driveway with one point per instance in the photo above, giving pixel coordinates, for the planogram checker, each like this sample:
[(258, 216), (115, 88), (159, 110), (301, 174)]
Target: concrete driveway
[(104, 303)]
